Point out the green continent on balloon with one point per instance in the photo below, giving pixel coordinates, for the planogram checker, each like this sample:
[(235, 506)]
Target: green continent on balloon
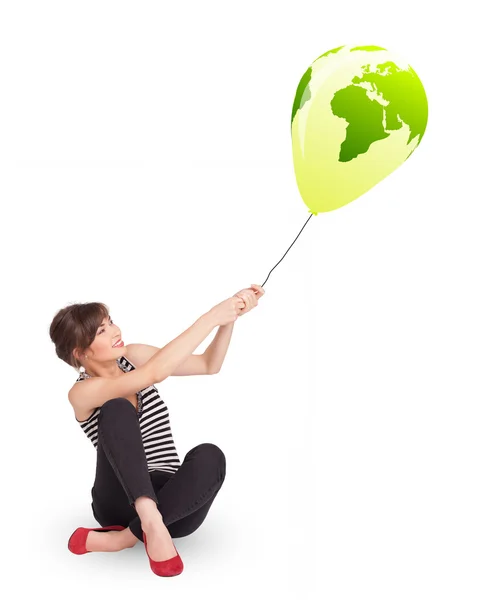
[(406, 103), (365, 118), (302, 92), (333, 51), (367, 48), (405, 95)]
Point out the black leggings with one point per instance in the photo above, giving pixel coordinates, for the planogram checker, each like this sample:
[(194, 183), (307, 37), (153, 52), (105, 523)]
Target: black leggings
[(183, 498)]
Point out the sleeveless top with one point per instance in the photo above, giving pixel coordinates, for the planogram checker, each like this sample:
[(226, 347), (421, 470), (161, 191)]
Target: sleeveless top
[(154, 424)]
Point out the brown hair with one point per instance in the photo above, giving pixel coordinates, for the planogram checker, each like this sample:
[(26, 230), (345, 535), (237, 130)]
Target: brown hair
[(75, 326)]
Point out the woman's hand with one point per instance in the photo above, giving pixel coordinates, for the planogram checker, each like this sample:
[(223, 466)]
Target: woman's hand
[(250, 296), (227, 311)]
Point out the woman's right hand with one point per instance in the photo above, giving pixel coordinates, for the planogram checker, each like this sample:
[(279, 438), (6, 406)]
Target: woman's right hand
[(227, 311)]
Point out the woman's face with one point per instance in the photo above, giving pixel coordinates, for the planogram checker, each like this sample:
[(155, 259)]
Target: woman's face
[(102, 346)]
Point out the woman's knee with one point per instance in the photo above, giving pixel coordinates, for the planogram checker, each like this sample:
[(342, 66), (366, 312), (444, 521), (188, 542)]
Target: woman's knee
[(116, 404), (214, 456)]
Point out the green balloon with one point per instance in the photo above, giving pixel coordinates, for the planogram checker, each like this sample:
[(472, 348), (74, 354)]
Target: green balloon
[(359, 113)]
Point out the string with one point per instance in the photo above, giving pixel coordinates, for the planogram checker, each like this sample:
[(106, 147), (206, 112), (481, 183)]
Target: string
[(289, 247)]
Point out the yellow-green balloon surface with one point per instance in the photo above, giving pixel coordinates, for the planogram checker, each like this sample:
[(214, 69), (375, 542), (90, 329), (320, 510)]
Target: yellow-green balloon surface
[(359, 112)]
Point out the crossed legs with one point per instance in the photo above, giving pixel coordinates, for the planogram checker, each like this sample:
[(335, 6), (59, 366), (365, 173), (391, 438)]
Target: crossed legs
[(182, 499)]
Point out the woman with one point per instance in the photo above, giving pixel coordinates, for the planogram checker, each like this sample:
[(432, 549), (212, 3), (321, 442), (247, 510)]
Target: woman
[(141, 490)]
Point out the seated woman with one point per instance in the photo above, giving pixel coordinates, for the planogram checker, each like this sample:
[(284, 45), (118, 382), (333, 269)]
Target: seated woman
[(141, 490)]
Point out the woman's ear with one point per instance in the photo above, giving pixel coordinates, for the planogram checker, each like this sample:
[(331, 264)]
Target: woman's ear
[(77, 355)]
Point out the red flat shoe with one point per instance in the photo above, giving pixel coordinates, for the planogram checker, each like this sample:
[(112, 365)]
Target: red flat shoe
[(165, 568), (78, 540)]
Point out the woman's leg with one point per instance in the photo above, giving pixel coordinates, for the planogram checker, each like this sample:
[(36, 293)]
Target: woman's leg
[(122, 475), (187, 495), (191, 522)]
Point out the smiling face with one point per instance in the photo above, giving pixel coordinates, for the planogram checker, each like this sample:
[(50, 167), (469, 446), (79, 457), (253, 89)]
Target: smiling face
[(102, 347)]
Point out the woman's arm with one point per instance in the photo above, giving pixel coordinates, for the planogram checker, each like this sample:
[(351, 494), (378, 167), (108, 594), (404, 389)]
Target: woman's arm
[(216, 351), (167, 359)]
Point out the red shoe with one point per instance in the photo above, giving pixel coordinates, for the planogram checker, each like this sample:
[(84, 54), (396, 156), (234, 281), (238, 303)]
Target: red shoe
[(165, 568), (78, 540)]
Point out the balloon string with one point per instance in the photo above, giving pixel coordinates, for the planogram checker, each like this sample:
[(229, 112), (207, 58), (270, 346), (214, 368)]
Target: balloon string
[(289, 248)]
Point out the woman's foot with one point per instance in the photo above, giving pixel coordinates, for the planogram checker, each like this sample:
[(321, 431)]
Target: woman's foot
[(160, 545), (110, 541)]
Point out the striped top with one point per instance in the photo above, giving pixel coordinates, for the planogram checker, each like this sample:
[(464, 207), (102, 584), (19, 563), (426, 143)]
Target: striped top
[(154, 424)]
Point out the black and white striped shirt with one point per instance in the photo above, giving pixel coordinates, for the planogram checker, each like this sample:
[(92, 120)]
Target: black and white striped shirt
[(154, 424)]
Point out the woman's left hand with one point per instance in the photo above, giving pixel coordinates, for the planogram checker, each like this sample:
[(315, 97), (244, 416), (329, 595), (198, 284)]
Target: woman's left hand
[(250, 296)]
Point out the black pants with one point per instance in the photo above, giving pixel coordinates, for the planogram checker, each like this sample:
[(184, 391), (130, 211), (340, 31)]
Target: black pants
[(183, 498)]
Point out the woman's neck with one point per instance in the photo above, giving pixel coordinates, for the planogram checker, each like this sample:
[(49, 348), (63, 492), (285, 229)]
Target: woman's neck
[(104, 370)]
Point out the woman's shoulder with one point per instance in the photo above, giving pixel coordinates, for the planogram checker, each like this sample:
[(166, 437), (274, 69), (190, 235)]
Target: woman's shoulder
[(75, 389), (76, 395)]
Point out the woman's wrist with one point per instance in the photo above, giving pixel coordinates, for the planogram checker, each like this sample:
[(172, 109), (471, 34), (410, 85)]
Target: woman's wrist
[(209, 318)]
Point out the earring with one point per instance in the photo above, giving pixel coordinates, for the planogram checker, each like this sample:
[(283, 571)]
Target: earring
[(83, 373)]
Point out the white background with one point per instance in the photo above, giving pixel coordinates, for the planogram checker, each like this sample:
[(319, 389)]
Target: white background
[(146, 163)]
